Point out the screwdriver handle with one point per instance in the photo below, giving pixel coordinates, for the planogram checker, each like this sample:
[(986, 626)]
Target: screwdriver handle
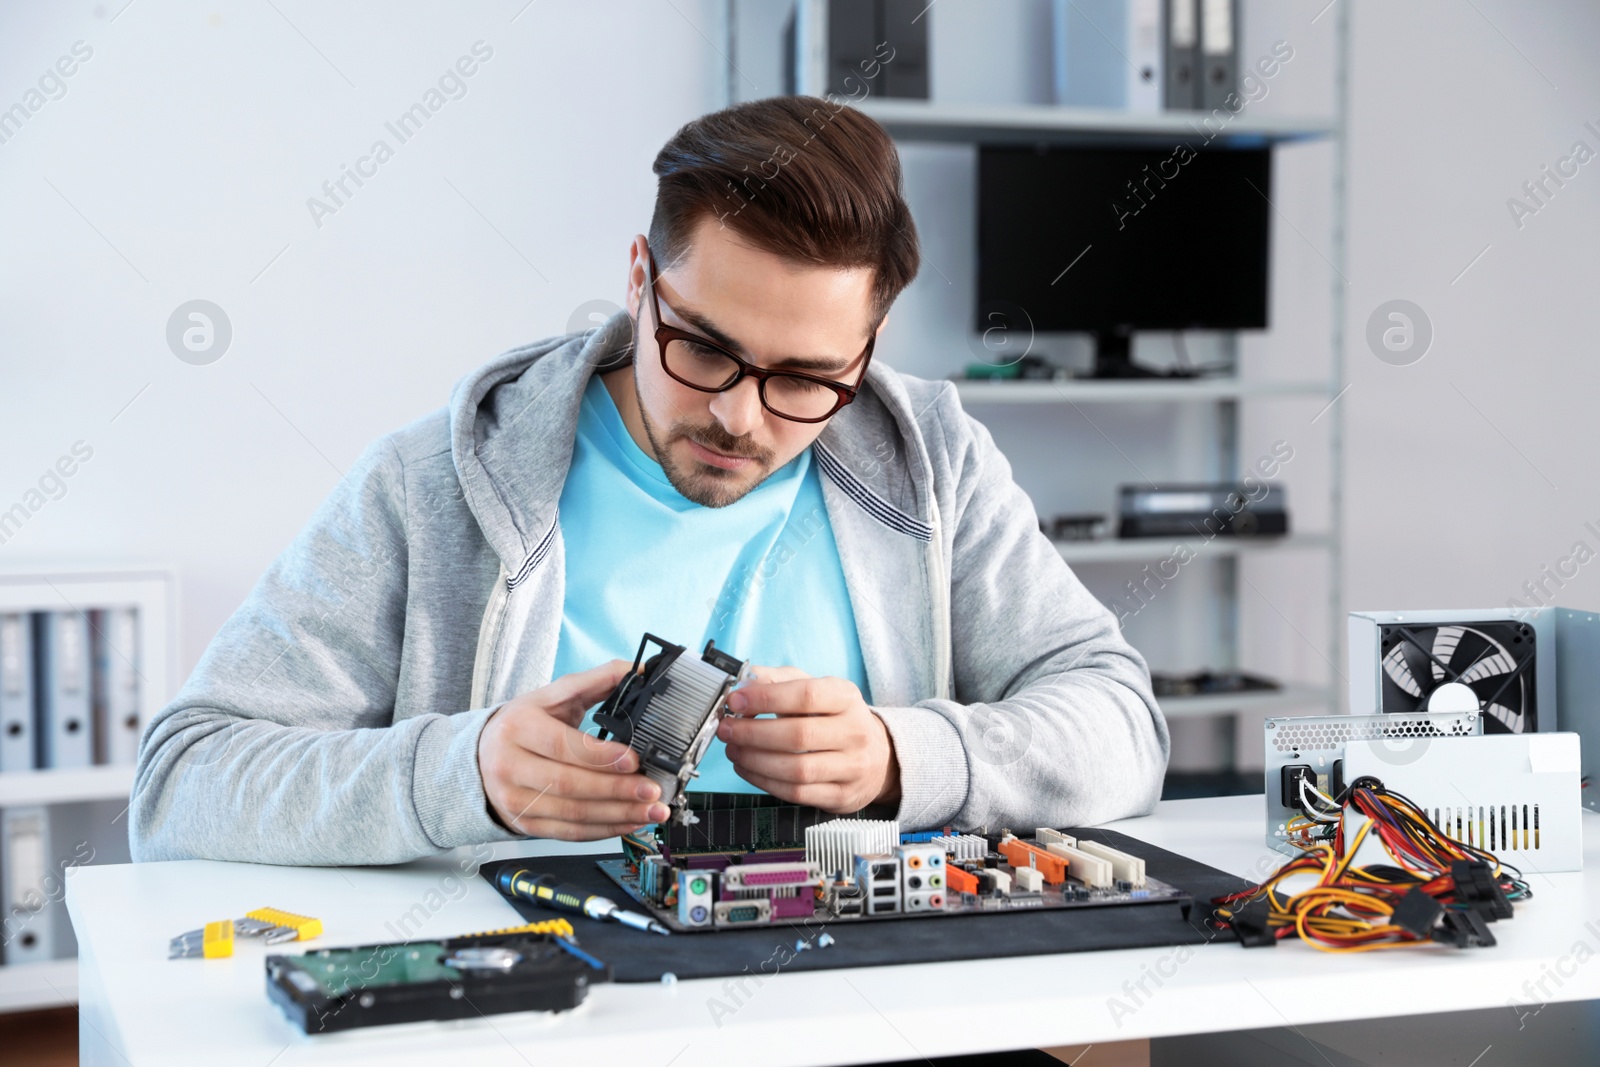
[(550, 891)]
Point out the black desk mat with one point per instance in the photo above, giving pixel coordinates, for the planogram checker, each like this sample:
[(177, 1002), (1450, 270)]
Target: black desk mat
[(637, 956)]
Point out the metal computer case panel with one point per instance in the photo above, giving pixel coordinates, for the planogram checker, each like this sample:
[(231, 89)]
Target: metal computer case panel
[(1516, 795), (1320, 741)]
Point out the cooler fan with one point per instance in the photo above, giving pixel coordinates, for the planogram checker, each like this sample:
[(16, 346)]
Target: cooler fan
[(1478, 666)]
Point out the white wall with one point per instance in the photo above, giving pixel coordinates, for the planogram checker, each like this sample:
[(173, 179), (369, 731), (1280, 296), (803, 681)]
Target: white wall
[(1473, 468), (190, 142), (179, 161)]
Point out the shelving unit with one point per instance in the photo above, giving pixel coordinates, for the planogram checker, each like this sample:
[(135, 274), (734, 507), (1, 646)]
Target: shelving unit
[(920, 120), (54, 982), (1289, 698), (1142, 549), (18, 788), (940, 123), (1149, 391), (35, 986)]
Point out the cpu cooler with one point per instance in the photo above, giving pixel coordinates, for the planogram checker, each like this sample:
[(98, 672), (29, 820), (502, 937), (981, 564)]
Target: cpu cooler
[(667, 710)]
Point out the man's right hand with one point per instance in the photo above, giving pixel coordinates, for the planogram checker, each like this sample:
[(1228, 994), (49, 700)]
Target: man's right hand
[(546, 778)]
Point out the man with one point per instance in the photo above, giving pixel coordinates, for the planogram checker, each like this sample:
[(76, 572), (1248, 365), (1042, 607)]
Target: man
[(723, 460)]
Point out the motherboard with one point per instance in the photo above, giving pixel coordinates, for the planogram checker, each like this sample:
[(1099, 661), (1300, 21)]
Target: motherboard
[(864, 870)]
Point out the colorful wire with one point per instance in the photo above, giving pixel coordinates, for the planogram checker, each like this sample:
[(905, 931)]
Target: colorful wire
[(1351, 909)]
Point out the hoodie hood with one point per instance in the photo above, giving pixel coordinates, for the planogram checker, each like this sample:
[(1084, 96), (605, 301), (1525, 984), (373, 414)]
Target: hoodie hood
[(512, 426)]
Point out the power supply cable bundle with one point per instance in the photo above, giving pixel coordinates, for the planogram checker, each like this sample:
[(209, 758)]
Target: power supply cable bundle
[(1438, 890)]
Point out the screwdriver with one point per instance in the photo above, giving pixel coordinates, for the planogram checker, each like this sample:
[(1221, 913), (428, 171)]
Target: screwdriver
[(550, 891)]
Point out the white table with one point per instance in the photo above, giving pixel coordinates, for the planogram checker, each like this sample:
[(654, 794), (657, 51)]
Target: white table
[(138, 1007)]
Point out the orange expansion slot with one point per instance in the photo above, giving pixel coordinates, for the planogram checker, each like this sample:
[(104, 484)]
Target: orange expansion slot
[(1052, 868), (960, 881)]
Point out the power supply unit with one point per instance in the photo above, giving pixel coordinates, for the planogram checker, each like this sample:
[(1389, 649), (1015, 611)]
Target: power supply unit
[(1525, 670)]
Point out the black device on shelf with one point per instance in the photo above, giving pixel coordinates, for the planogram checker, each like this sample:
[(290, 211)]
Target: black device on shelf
[(1030, 368), (1209, 683), (1223, 509), (1084, 527), (1113, 240), (871, 46)]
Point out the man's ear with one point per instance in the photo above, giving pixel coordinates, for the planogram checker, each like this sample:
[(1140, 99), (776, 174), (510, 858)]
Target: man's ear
[(635, 293), (882, 324)]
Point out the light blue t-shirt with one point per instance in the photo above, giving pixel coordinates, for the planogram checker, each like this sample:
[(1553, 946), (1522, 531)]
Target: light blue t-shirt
[(761, 576)]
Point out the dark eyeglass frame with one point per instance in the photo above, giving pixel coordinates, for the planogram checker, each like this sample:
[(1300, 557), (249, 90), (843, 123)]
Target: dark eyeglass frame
[(843, 394)]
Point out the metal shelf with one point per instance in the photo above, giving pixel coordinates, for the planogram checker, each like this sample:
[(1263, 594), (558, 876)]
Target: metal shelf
[(1141, 549), (920, 120), (1270, 700), (1159, 390), (31, 986), (66, 786)]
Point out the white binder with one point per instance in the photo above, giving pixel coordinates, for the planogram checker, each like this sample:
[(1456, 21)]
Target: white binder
[(28, 919), (16, 692), (64, 727), (1109, 53), (116, 685)]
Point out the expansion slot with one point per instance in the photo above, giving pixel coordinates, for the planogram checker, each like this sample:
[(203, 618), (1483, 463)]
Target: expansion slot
[(1091, 870), (1124, 867), (1050, 864)]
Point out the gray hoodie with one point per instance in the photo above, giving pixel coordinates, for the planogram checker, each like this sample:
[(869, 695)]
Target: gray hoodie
[(335, 717)]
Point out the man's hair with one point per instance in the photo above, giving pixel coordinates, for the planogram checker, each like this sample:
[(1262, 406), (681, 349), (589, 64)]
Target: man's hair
[(796, 176)]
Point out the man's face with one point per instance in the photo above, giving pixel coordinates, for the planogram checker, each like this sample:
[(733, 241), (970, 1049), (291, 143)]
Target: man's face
[(716, 447)]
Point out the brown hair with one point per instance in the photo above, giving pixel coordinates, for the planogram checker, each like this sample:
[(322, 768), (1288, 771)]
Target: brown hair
[(797, 176)]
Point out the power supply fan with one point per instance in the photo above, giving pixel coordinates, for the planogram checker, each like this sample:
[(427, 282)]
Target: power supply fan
[(1478, 666)]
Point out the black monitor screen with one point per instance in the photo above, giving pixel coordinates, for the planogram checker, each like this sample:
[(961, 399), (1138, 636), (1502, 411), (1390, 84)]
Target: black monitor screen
[(1108, 239)]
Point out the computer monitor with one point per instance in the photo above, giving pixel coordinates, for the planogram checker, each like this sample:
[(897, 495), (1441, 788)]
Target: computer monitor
[(1113, 240)]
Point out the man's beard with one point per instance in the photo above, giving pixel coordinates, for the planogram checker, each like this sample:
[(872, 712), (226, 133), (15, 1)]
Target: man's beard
[(708, 486)]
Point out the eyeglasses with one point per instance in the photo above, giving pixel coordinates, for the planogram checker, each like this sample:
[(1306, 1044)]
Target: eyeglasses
[(701, 364)]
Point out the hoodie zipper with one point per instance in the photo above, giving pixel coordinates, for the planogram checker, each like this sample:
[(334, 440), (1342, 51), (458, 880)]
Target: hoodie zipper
[(940, 596), (489, 631)]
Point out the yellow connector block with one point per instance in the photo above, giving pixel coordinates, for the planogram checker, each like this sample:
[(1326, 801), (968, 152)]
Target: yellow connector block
[(218, 940), (304, 927)]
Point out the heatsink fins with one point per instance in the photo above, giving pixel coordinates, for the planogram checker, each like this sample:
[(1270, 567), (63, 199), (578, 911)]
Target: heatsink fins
[(833, 846)]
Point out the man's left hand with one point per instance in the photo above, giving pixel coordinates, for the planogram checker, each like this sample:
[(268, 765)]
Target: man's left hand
[(825, 747)]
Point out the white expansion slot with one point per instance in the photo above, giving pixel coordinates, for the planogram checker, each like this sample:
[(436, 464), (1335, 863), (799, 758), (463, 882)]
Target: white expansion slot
[(1127, 868)]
